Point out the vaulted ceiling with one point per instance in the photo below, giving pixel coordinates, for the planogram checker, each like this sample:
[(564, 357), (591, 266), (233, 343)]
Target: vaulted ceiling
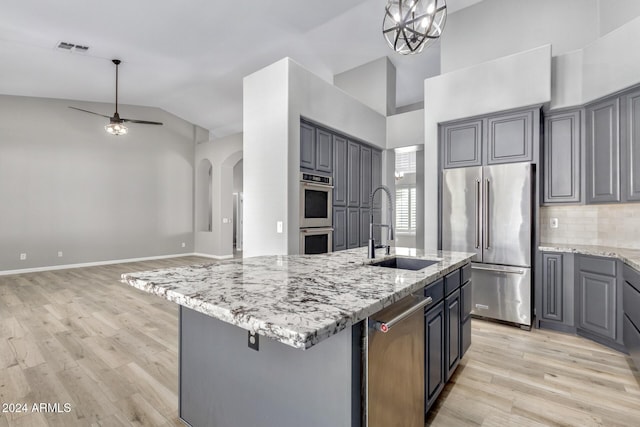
[(189, 58)]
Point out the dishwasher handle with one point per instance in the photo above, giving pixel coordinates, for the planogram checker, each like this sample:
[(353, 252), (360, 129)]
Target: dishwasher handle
[(385, 327)]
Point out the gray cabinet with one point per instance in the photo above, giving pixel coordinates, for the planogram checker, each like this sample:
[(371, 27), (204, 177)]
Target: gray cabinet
[(365, 176), (631, 308), (353, 174), (353, 228), (339, 228), (630, 134), (511, 137), (602, 152), (324, 151), (552, 295), (465, 315), (307, 146), (316, 149), (506, 137), (434, 353), (597, 297), (376, 174), (364, 227), (461, 143), (339, 171), (452, 332), (561, 151)]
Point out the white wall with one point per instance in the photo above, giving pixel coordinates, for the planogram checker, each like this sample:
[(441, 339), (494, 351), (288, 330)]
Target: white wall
[(66, 185), (274, 100), (495, 28), (406, 129), (373, 84), (515, 81), (615, 13), (224, 154)]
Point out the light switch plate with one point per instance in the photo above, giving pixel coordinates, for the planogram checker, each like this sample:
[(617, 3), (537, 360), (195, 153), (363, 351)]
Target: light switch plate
[(553, 223), (279, 226)]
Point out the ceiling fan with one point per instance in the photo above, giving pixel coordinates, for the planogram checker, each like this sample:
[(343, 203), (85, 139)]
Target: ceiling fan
[(116, 123)]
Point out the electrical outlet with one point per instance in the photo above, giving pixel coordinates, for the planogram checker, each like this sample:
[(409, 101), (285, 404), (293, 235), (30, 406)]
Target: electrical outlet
[(23, 256), (184, 244), (279, 226), (553, 222), (59, 254), (225, 220), (253, 340)]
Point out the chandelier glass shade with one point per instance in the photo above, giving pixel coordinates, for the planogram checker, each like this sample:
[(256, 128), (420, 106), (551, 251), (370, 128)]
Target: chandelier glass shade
[(409, 26), (116, 129)]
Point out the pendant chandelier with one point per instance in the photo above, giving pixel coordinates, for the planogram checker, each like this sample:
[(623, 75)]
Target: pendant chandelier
[(411, 25)]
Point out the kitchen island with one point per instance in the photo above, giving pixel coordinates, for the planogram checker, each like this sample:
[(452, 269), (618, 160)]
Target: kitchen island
[(308, 313)]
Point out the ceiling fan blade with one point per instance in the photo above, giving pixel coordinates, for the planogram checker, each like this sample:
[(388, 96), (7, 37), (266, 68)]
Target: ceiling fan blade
[(90, 112), (144, 122)]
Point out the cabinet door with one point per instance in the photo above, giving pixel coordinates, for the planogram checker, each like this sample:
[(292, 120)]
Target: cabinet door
[(452, 332), (307, 146), (461, 144), (603, 152), (339, 171), (376, 174), (630, 128), (353, 172), (339, 228), (597, 304), (365, 176), (324, 151), (510, 137), (561, 150), (552, 287), (434, 353), (364, 227), (466, 296), (353, 228)]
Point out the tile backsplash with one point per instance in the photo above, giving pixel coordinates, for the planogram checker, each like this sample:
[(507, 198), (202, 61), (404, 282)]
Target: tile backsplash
[(606, 225)]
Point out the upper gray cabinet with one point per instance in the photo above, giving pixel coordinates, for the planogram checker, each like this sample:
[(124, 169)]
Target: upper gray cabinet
[(316, 149), (561, 153), (603, 151), (339, 171), (507, 137), (511, 137), (307, 146), (376, 175), (630, 129), (461, 144), (353, 174), (365, 176)]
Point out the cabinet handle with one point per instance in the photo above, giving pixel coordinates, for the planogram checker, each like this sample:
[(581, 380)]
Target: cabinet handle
[(386, 326)]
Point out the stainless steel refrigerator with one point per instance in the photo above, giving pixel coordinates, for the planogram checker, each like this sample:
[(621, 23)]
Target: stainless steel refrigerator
[(488, 210)]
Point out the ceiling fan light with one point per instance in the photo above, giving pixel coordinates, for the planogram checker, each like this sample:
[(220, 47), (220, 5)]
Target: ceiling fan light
[(116, 129)]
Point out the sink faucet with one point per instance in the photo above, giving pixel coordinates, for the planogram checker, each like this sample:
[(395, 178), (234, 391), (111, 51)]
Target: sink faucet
[(372, 243)]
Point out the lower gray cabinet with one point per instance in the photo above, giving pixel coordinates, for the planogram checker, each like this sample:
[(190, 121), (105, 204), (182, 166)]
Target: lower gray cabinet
[(465, 316), (552, 286), (597, 297), (631, 308), (452, 333), (353, 228), (339, 228), (434, 363)]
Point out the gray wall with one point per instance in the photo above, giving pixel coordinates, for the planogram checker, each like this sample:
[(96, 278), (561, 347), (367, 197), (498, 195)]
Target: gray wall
[(373, 84), (66, 185)]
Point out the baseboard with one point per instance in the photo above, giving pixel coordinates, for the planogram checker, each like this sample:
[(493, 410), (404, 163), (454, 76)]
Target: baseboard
[(94, 264), (212, 256)]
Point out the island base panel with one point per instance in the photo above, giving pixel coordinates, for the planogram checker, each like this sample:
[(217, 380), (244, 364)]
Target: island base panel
[(224, 383)]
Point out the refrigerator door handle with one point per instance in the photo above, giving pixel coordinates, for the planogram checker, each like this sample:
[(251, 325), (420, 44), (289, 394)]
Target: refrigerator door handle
[(499, 270), (478, 207), (487, 239)]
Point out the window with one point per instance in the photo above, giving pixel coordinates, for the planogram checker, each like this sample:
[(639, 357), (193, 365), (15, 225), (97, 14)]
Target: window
[(406, 192)]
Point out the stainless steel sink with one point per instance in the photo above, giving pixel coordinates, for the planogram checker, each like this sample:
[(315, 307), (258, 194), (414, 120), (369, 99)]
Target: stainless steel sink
[(405, 263)]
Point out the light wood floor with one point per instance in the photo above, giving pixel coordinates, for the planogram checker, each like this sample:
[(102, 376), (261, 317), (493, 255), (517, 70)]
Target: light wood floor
[(110, 351)]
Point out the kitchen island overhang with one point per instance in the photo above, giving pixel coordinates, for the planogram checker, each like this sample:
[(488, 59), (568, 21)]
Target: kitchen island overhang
[(314, 303)]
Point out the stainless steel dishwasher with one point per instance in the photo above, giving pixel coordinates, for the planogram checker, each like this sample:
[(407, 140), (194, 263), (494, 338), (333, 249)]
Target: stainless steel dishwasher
[(395, 365)]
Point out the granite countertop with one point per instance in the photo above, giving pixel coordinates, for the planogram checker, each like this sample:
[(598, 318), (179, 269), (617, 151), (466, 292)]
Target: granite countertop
[(298, 300), (631, 257)]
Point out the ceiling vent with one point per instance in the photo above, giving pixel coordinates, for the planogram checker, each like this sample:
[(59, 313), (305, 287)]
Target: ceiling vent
[(71, 47)]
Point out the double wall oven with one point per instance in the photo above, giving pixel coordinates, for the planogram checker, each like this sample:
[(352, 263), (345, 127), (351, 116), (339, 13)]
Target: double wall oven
[(316, 207)]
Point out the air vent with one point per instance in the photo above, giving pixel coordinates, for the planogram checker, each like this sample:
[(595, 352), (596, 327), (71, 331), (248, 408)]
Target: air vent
[(71, 47)]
